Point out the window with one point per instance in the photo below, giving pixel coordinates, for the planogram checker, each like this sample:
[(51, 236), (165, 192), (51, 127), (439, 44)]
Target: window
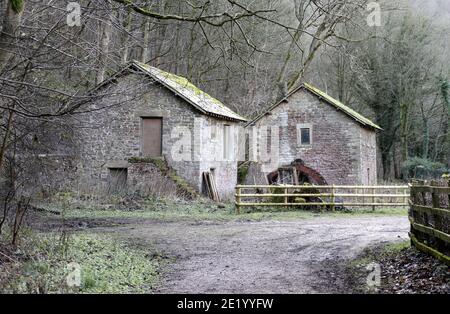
[(305, 136), (151, 137), (304, 133)]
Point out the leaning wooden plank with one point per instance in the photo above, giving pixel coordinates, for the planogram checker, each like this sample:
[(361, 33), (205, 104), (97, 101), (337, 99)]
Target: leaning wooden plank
[(208, 188), (426, 249), (211, 191), (214, 191)]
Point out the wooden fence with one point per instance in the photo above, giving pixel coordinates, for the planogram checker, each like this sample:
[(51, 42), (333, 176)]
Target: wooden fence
[(319, 196), (429, 215)]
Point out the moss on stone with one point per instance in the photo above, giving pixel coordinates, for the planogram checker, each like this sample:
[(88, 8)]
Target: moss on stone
[(161, 164)]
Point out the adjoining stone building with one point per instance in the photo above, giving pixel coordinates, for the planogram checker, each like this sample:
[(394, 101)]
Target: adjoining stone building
[(325, 134), (154, 114)]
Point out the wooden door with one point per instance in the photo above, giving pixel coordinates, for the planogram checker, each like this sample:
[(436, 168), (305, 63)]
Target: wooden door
[(151, 137)]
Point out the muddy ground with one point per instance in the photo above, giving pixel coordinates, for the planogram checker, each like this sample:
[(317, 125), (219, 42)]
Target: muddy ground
[(302, 256)]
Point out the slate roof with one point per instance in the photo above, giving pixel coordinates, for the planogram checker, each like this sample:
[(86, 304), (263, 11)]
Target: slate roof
[(207, 104), (328, 99)]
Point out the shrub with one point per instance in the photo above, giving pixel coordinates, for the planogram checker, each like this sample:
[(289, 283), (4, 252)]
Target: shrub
[(423, 168)]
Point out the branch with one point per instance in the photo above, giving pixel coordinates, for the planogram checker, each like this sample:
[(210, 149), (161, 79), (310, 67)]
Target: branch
[(223, 18)]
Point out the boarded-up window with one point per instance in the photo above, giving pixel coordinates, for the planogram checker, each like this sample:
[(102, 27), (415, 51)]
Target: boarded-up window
[(117, 182), (151, 137), (304, 133)]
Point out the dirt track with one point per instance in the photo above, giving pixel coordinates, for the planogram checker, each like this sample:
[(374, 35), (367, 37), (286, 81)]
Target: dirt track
[(262, 257)]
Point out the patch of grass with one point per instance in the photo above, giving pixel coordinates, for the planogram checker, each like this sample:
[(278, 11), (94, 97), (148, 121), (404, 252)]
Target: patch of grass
[(356, 268), (106, 266), (198, 210), (195, 210), (396, 247)]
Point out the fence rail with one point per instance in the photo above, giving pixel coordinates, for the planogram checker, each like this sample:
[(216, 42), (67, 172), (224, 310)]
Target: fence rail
[(429, 216), (330, 196)]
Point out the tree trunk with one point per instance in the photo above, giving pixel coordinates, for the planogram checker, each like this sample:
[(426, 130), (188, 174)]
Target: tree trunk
[(105, 39), (127, 26), (5, 139), (145, 41), (426, 138), (404, 113), (11, 23)]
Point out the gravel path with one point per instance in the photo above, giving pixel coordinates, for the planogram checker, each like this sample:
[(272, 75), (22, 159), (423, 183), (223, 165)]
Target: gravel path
[(262, 257)]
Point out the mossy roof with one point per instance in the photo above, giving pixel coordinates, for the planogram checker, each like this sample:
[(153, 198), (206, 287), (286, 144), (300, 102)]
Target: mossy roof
[(328, 99), (189, 92)]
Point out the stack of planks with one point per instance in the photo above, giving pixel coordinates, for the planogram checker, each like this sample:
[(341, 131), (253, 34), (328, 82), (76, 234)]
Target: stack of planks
[(211, 188)]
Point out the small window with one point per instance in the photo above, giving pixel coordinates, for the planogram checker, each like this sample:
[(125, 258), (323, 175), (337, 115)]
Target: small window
[(305, 136)]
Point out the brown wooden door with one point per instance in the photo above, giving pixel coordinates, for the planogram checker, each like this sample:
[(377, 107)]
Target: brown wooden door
[(151, 137)]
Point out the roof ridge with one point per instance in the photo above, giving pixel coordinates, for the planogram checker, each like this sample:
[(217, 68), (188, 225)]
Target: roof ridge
[(330, 100), (349, 111)]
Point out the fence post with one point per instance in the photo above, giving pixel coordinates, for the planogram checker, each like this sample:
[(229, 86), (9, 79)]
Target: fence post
[(332, 198), (448, 184), (238, 200), (435, 203), (373, 199), (285, 198)]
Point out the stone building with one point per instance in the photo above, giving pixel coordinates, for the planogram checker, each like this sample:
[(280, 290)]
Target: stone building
[(328, 136), (155, 117)]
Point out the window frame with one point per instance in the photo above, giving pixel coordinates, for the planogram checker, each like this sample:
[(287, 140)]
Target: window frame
[(301, 127)]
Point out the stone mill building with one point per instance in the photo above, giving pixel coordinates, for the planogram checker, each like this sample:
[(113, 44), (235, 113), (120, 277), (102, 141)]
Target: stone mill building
[(155, 118), (325, 134)]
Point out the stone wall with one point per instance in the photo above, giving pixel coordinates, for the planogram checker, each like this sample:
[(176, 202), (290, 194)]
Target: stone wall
[(336, 149), (368, 157), (145, 178)]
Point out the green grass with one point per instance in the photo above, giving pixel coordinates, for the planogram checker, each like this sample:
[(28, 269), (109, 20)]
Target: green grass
[(205, 210), (106, 266), (194, 210), (370, 255)]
